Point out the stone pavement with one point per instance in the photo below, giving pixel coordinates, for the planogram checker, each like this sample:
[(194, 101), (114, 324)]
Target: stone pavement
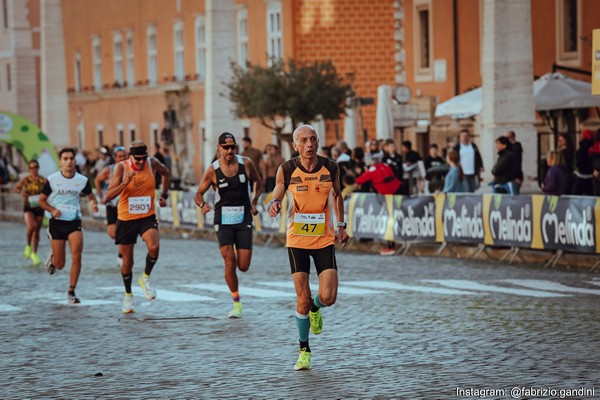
[(403, 328)]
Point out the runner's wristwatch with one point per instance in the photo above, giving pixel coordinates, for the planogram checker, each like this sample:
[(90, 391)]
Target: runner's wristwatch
[(341, 225)]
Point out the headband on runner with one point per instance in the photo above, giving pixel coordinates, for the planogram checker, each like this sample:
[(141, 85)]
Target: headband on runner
[(138, 151)]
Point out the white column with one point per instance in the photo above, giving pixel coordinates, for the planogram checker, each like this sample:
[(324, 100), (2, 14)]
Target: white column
[(350, 130), (55, 103), (507, 72), (220, 50)]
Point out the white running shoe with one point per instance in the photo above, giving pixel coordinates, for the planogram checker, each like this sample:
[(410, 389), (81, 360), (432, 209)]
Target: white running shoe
[(127, 304), (49, 267), (149, 291), (72, 298)]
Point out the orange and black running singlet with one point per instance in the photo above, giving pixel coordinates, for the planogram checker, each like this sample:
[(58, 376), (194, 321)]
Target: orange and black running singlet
[(137, 199), (310, 219)]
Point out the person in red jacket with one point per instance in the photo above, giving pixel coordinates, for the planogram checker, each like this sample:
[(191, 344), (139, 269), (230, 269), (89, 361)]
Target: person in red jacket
[(384, 181), (381, 176)]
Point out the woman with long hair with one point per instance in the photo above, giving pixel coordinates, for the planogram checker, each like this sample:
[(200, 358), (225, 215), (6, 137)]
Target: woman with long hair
[(455, 181), (30, 188), (556, 177)]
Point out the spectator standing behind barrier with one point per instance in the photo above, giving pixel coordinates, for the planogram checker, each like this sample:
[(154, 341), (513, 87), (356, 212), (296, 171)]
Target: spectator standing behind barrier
[(504, 170), (455, 181), (392, 158), (436, 169), (384, 181), (583, 173), (410, 168), (271, 164), (372, 150), (381, 176), (517, 151), (556, 177), (595, 158), (470, 159), (160, 157), (254, 154), (565, 146)]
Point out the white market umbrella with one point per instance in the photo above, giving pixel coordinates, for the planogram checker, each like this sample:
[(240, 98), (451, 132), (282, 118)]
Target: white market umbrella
[(384, 123), (462, 106), (553, 91), (350, 128)]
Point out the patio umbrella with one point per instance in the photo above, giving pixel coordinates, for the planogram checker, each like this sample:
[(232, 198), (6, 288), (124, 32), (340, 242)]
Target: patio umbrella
[(350, 128), (384, 124), (553, 91)]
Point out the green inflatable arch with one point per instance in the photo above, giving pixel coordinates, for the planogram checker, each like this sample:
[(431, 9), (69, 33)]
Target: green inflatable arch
[(28, 138)]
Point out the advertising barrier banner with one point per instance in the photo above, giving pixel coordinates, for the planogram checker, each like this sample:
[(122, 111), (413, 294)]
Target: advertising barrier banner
[(413, 218), (462, 218), (508, 220), (567, 223), (368, 216)]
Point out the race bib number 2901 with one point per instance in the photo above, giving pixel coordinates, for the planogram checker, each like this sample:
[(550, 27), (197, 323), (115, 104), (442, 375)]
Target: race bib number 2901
[(139, 205)]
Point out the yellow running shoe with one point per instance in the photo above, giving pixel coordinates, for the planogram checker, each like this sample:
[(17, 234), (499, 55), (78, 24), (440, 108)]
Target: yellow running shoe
[(35, 259), (27, 252), (303, 360), (236, 311), (316, 322)]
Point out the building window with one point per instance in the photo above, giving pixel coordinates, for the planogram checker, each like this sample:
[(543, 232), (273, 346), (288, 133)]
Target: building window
[(130, 60), (152, 55), (200, 33), (178, 48), (423, 40), (121, 134), (97, 61), (242, 37), (131, 133), (5, 13), (154, 133), (77, 72), (568, 31), (8, 78), (100, 134), (118, 58), (274, 32)]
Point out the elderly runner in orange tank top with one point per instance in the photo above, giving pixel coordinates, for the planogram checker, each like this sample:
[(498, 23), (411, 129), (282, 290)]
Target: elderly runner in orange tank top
[(313, 189)]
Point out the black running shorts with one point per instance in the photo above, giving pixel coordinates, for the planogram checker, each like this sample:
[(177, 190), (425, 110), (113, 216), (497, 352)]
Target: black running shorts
[(36, 211), (60, 230), (111, 215), (238, 235), (323, 258), (128, 231)]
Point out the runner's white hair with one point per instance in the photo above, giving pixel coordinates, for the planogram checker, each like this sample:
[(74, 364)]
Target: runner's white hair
[(300, 128)]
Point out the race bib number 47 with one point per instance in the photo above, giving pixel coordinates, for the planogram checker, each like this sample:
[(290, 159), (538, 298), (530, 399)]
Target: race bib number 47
[(139, 205), (309, 224)]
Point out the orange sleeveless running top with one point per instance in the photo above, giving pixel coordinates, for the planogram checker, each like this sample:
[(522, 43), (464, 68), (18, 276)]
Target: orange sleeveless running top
[(137, 199), (310, 219)]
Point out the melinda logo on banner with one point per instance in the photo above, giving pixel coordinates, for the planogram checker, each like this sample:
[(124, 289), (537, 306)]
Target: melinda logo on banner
[(368, 216), (460, 218), (413, 217), (508, 220), (567, 223)]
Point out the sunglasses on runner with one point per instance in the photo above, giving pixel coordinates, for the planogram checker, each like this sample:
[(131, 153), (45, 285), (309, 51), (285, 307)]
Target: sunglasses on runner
[(139, 158), (228, 146)]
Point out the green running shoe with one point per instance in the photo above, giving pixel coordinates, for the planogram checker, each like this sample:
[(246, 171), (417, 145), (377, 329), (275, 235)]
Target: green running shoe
[(35, 259), (303, 360), (316, 322), (27, 252), (236, 311)]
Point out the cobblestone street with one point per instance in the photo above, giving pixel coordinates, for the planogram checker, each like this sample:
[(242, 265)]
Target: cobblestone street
[(403, 327)]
